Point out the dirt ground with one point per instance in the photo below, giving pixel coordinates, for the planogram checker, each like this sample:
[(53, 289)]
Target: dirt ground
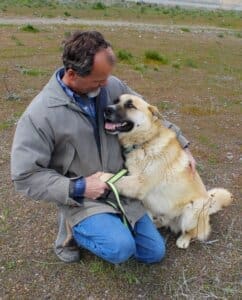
[(199, 88)]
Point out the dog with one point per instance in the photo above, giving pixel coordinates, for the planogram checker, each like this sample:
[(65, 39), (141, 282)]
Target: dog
[(159, 171)]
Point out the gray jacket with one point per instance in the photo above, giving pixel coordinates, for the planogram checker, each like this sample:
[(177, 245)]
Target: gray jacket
[(54, 144)]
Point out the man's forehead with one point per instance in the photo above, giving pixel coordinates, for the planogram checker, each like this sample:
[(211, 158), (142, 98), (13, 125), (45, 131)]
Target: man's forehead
[(106, 56), (102, 66)]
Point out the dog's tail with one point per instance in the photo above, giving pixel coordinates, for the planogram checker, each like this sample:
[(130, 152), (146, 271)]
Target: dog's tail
[(218, 198)]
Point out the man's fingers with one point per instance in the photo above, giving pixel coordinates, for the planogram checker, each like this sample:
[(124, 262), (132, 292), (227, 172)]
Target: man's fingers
[(98, 174)]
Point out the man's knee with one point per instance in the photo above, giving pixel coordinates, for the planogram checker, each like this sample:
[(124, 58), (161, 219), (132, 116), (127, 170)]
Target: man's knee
[(121, 250), (158, 253), (155, 254)]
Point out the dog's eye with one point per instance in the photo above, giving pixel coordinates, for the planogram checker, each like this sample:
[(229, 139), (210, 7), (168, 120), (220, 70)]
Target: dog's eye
[(129, 104)]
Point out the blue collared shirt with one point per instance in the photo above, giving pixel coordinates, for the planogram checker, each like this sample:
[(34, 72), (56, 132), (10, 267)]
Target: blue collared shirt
[(88, 106)]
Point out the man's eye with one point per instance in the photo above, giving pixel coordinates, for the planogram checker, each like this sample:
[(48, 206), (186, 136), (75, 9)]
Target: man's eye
[(129, 104)]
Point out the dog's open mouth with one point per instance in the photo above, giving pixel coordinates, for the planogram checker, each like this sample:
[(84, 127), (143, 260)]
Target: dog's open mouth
[(115, 128)]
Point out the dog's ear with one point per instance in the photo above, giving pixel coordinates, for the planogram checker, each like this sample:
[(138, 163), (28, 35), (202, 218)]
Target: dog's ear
[(155, 112)]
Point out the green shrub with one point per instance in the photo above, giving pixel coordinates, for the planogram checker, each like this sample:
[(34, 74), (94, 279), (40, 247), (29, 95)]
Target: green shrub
[(124, 55), (220, 35), (67, 14), (238, 34), (99, 5), (29, 28), (156, 56), (32, 72), (140, 68), (185, 29), (176, 65)]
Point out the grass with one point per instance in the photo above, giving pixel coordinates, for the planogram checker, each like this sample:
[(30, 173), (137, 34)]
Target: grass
[(165, 105), (199, 111), (32, 72), (123, 11), (4, 220), (10, 96), (185, 29), (5, 125), (29, 28), (190, 63), (17, 41), (238, 35), (142, 68), (176, 65), (99, 5), (156, 56), (125, 55)]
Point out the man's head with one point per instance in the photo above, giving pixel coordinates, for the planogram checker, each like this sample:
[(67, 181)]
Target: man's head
[(88, 60)]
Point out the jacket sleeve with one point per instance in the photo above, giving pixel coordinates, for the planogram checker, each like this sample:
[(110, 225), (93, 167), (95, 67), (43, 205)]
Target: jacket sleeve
[(180, 137), (123, 88), (30, 159)]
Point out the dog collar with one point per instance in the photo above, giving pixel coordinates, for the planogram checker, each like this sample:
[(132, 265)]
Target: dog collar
[(127, 150)]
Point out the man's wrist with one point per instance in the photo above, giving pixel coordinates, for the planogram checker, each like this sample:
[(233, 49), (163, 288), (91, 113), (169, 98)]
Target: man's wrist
[(77, 189)]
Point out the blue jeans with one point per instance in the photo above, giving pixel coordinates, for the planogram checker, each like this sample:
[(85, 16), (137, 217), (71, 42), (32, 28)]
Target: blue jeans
[(106, 236)]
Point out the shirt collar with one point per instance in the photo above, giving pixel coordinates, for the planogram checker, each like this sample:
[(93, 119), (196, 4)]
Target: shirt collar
[(69, 92), (66, 89)]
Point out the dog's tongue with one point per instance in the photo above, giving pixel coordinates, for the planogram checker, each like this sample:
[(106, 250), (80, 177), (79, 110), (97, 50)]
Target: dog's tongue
[(111, 126)]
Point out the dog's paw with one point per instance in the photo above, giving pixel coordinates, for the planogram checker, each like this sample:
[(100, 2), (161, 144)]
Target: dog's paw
[(183, 241), (158, 221), (105, 176)]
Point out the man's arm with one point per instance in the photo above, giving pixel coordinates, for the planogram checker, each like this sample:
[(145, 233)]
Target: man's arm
[(31, 154), (180, 137), (30, 158)]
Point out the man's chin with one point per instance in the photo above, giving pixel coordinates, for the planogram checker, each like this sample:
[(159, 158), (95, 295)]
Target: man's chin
[(93, 94)]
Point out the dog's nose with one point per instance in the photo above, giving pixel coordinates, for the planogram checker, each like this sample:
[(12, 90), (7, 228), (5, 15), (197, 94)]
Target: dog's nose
[(109, 110)]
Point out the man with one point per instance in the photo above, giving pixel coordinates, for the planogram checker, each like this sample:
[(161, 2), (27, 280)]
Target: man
[(60, 149)]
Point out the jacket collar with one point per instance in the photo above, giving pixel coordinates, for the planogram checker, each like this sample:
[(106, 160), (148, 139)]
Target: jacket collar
[(56, 95)]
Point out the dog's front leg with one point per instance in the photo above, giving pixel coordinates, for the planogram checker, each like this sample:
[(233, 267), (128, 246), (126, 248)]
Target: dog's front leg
[(130, 186)]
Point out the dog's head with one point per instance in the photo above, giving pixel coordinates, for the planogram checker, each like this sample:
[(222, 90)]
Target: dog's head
[(129, 113)]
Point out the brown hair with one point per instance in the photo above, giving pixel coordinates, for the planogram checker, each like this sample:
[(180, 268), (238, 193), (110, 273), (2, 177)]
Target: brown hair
[(80, 49)]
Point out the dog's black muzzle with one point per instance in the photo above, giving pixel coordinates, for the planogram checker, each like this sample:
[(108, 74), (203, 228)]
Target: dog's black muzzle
[(110, 113)]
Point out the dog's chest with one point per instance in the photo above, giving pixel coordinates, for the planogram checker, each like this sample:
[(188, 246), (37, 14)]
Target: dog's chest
[(158, 200), (134, 160)]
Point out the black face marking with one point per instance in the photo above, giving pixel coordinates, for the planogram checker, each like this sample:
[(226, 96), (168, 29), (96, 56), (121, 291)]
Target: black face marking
[(129, 104), (116, 101)]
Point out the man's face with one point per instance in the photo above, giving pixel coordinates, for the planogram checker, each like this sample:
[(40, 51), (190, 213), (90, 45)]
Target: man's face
[(102, 69)]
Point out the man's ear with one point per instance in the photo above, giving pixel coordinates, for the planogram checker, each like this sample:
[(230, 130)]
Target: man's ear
[(155, 112), (71, 73)]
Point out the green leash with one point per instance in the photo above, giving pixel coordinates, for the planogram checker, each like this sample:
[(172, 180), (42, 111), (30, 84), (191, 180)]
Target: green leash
[(110, 183)]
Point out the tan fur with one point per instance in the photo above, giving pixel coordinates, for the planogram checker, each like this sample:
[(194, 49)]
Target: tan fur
[(160, 176)]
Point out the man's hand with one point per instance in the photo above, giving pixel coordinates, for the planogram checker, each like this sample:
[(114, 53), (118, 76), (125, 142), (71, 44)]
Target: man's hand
[(192, 161), (95, 187)]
